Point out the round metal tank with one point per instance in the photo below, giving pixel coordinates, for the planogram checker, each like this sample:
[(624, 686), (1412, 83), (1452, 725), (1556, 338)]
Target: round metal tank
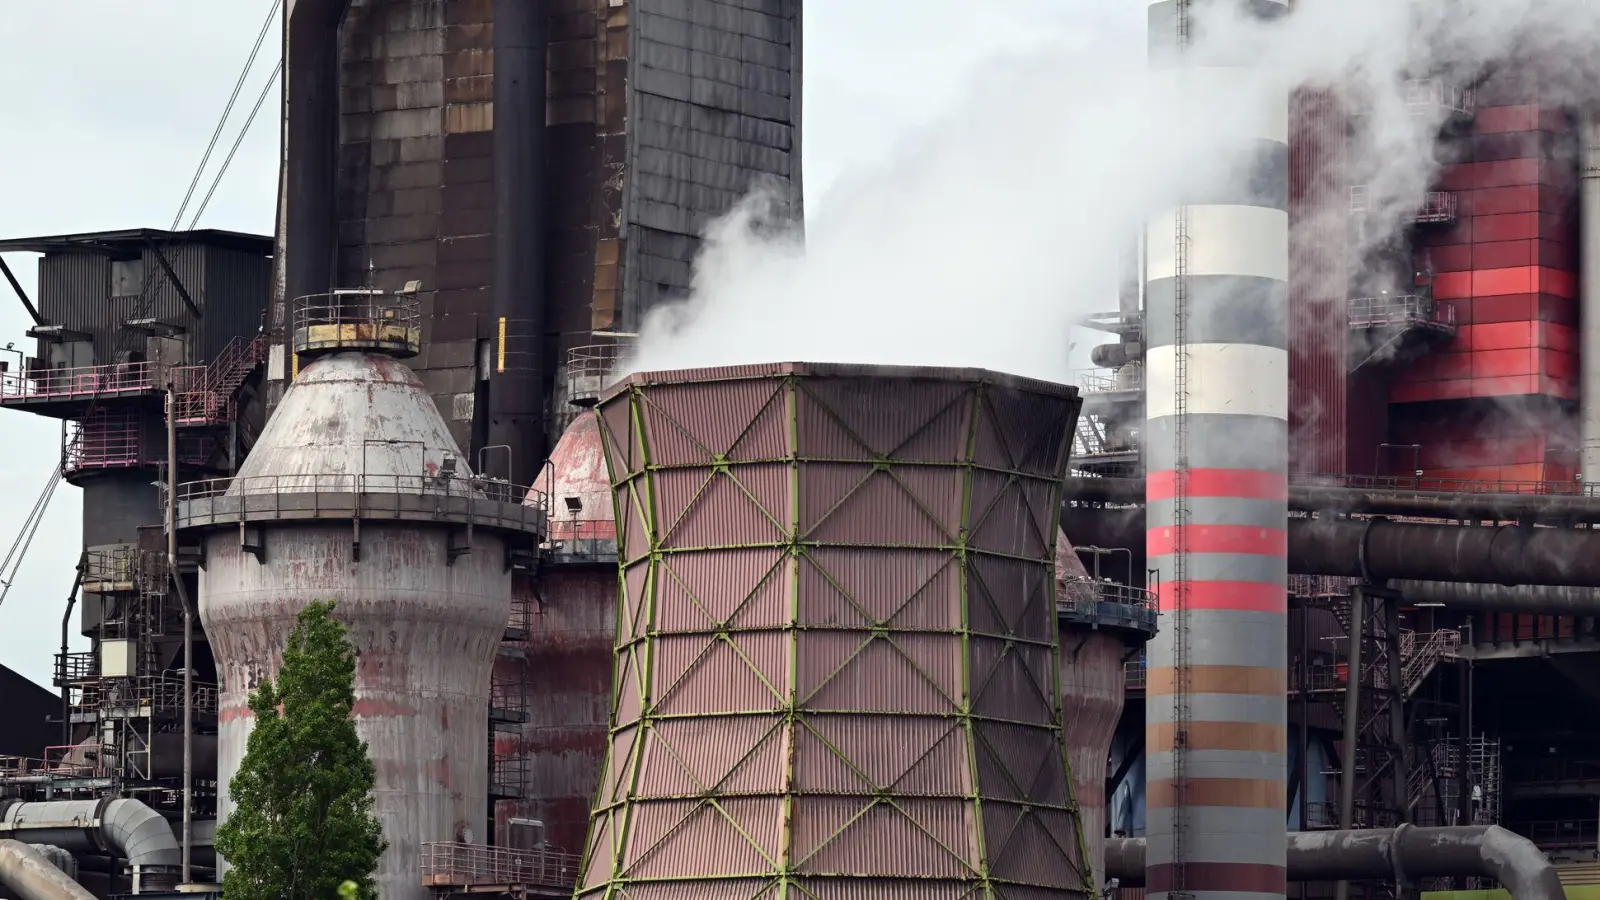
[(836, 650), (1101, 623), (564, 667), (356, 493)]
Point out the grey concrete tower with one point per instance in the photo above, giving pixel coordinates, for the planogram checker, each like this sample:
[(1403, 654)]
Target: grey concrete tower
[(1216, 488)]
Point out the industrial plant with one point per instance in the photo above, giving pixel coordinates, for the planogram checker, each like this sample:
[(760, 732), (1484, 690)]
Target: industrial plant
[(1291, 595)]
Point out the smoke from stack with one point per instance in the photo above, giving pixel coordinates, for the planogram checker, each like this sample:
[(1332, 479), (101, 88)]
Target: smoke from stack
[(994, 229)]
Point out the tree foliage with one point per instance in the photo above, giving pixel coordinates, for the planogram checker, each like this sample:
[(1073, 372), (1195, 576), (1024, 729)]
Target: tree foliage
[(302, 822)]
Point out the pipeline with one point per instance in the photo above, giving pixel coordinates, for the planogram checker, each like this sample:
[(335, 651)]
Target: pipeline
[(1380, 501), (517, 388), (127, 829), (29, 875), (1378, 549), (1400, 854)]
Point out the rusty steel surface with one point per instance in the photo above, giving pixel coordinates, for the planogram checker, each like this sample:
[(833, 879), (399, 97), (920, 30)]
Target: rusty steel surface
[(426, 629), (565, 669), (1092, 691), (836, 664)]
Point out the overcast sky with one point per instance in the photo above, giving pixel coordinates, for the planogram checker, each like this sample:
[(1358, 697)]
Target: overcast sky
[(112, 104)]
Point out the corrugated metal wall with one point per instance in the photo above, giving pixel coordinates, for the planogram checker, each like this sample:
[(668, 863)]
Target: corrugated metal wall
[(715, 103), (230, 288), (233, 296), (75, 288), (1318, 283)]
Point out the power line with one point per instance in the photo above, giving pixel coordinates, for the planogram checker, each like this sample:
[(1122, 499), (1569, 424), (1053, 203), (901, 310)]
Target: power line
[(243, 132), (227, 111)]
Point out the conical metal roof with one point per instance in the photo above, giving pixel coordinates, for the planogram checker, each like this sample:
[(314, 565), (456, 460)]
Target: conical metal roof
[(352, 418)]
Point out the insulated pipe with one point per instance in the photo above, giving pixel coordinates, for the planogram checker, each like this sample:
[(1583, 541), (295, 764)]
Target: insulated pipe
[(126, 828), (1380, 549), (29, 875), (1589, 294), (1397, 501), (516, 387), (1400, 854), (1533, 600), (1216, 448)]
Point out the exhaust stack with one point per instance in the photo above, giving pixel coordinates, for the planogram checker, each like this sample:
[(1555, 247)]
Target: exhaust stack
[(1216, 490)]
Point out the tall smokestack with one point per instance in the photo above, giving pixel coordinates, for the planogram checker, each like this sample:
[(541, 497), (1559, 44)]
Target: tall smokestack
[(1216, 454), (836, 663)]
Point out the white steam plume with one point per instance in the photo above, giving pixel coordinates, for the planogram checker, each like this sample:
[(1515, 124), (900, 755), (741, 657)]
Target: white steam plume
[(1001, 225)]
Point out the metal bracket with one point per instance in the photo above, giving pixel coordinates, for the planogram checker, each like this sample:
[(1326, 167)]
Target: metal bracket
[(454, 549), (253, 541)]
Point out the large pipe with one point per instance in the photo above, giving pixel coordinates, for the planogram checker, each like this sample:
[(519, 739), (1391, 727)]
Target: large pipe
[(66, 632), (1396, 500), (1589, 294), (1399, 854), (1216, 448), (1533, 600), (29, 875), (516, 389), (126, 828), (188, 626), (311, 144), (1381, 549)]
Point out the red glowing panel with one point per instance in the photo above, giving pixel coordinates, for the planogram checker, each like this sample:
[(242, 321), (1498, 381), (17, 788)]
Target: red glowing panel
[(1518, 226), (1502, 363), (1505, 200), (1425, 391), (1503, 254), (1508, 386), (1558, 337), (1497, 336)]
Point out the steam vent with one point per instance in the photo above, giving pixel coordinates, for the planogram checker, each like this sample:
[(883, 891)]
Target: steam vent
[(356, 493), (836, 669)]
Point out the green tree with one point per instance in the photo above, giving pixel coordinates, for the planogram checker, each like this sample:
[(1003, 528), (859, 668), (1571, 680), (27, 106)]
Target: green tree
[(302, 823)]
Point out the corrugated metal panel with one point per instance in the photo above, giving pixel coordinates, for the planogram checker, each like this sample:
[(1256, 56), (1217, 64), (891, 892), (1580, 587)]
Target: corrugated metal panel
[(75, 290), (234, 296), (829, 671), (1318, 283)]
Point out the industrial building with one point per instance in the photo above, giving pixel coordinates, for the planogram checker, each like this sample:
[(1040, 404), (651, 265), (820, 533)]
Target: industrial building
[(1293, 595)]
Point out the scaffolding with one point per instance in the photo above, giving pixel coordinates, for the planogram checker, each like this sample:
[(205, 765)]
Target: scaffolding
[(121, 696)]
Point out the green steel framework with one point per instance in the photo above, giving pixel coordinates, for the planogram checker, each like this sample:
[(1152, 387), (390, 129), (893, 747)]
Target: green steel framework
[(731, 443)]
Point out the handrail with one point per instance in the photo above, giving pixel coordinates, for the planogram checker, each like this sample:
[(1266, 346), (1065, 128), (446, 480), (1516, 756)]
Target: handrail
[(441, 485), (451, 863)]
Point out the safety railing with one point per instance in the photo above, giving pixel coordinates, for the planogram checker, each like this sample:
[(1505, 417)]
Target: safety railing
[(508, 775), (1552, 770), (1426, 94), (80, 382), (107, 439), (358, 318), (1320, 586), (1555, 833), (590, 367), (452, 864), (1436, 207), (72, 668), (80, 760), (112, 569), (1422, 652), (1425, 484), (508, 701), (1404, 310), (149, 693), (1134, 673), (375, 496), (1094, 381), (582, 540), (1084, 593)]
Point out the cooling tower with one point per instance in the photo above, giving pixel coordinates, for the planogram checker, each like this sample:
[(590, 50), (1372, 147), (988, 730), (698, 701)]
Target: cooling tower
[(836, 658), (1216, 455), (565, 668), (355, 493), (1102, 625)]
